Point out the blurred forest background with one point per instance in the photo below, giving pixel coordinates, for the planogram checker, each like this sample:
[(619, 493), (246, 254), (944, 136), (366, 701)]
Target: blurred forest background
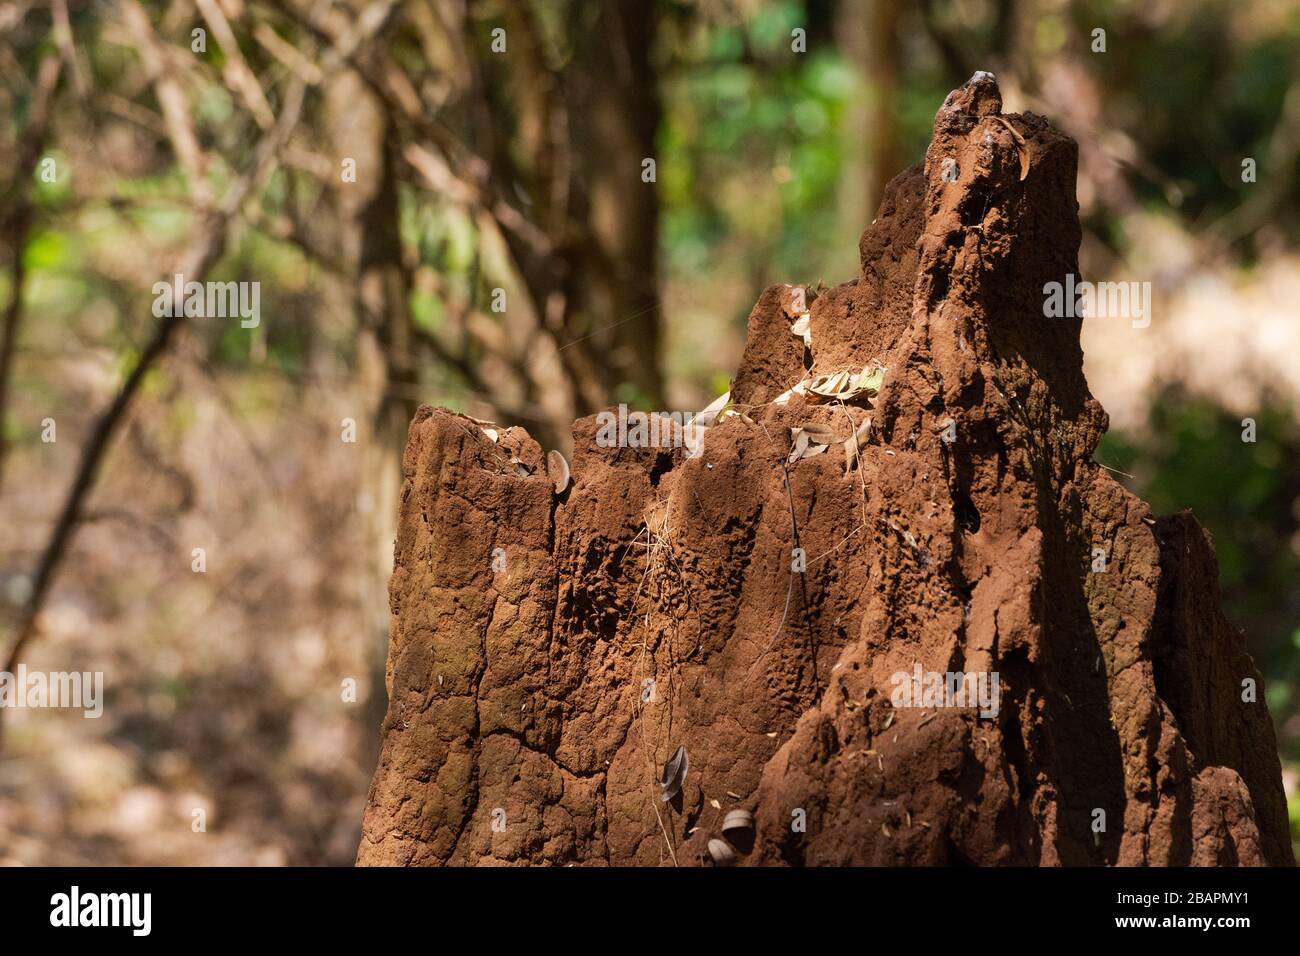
[(496, 251)]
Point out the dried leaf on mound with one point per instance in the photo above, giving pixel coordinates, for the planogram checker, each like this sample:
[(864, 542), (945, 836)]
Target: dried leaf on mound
[(802, 327), (853, 445)]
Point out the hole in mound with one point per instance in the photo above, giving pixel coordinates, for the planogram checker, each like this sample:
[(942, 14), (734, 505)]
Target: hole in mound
[(968, 516), (662, 465), (742, 840), (976, 206)]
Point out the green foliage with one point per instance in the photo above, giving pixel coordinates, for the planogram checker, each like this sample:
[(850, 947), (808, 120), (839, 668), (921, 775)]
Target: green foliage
[(752, 148), (1220, 87)]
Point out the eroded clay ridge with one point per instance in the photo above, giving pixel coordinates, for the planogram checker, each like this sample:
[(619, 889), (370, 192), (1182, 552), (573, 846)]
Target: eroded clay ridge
[(549, 652)]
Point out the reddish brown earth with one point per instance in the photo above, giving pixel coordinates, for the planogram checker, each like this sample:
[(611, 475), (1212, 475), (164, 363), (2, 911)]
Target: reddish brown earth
[(516, 694)]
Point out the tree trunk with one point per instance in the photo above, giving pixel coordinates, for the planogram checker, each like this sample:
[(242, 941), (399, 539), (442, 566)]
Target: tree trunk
[(616, 116), (386, 367)]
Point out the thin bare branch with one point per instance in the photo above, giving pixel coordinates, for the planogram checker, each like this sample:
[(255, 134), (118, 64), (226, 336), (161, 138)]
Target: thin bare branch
[(207, 246)]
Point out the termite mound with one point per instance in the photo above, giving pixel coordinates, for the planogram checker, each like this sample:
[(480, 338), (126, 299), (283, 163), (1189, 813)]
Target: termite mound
[(549, 652)]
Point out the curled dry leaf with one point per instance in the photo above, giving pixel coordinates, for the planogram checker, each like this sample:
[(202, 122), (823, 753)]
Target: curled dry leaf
[(738, 819), (557, 469), (711, 412), (1022, 148), (821, 434), (809, 439), (721, 852), (492, 433), (834, 385), (522, 470), (802, 327), (846, 385), (674, 774), (853, 445), (798, 445)]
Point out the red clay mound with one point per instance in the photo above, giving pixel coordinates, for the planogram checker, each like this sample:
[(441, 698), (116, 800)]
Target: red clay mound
[(552, 651)]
